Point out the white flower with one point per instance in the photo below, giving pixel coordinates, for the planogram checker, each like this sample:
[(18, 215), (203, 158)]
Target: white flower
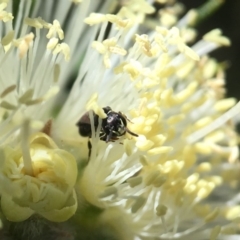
[(159, 185)]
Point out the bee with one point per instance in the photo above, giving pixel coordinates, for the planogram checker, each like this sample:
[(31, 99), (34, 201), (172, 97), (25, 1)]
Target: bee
[(113, 126)]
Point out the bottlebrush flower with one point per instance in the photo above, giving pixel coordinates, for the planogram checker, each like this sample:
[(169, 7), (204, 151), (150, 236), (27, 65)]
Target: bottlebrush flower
[(177, 180)]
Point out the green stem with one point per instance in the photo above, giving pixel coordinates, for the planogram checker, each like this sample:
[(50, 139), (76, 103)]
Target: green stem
[(207, 9)]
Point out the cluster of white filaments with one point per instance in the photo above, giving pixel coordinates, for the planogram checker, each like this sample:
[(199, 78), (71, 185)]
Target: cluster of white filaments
[(160, 177), (148, 187)]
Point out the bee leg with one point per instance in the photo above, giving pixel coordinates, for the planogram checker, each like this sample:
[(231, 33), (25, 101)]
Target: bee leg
[(89, 149)]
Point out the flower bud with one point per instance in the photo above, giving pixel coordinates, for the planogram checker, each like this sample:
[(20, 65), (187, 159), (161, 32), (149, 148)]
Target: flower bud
[(49, 191)]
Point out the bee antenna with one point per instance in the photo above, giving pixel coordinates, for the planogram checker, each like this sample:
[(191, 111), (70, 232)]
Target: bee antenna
[(132, 133)]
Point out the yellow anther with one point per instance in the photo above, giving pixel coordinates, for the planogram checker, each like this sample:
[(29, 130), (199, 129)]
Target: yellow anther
[(95, 18), (140, 201), (203, 148), (59, 48), (185, 69), (5, 16), (192, 179), (52, 43), (133, 68), (7, 90), (144, 144), (167, 19), (118, 21), (159, 39), (34, 22), (159, 181), (229, 230), (215, 232), (210, 68), (162, 30), (159, 150), (225, 104), (24, 44), (108, 192), (108, 47), (190, 53), (143, 160), (151, 177), (204, 167), (215, 36), (215, 137), (144, 43), (211, 216), (7, 39), (55, 30), (65, 49), (7, 105), (159, 139), (175, 119), (172, 167), (134, 181), (233, 212), (161, 210), (202, 122), (205, 188)]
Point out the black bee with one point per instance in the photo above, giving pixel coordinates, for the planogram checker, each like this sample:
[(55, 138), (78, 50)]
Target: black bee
[(113, 126)]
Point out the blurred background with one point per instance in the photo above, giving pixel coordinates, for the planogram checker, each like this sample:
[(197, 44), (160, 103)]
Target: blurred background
[(227, 18)]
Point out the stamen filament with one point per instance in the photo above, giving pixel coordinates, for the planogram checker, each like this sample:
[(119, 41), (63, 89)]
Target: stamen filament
[(215, 124)]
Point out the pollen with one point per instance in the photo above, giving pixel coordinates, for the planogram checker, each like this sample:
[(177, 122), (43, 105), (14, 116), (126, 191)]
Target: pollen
[(233, 212), (225, 104), (95, 18), (24, 44), (133, 68), (215, 232), (64, 49), (7, 39), (167, 18), (136, 10), (55, 30), (35, 22), (119, 22), (144, 44), (108, 47), (8, 90), (5, 16), (52, 43), (215, 36)]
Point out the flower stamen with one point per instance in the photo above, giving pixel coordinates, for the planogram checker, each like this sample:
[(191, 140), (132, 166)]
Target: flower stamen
[(8, 90), (214, 125)]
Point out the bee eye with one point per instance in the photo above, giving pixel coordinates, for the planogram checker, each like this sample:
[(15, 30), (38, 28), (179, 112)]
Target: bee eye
[(110, 119)]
